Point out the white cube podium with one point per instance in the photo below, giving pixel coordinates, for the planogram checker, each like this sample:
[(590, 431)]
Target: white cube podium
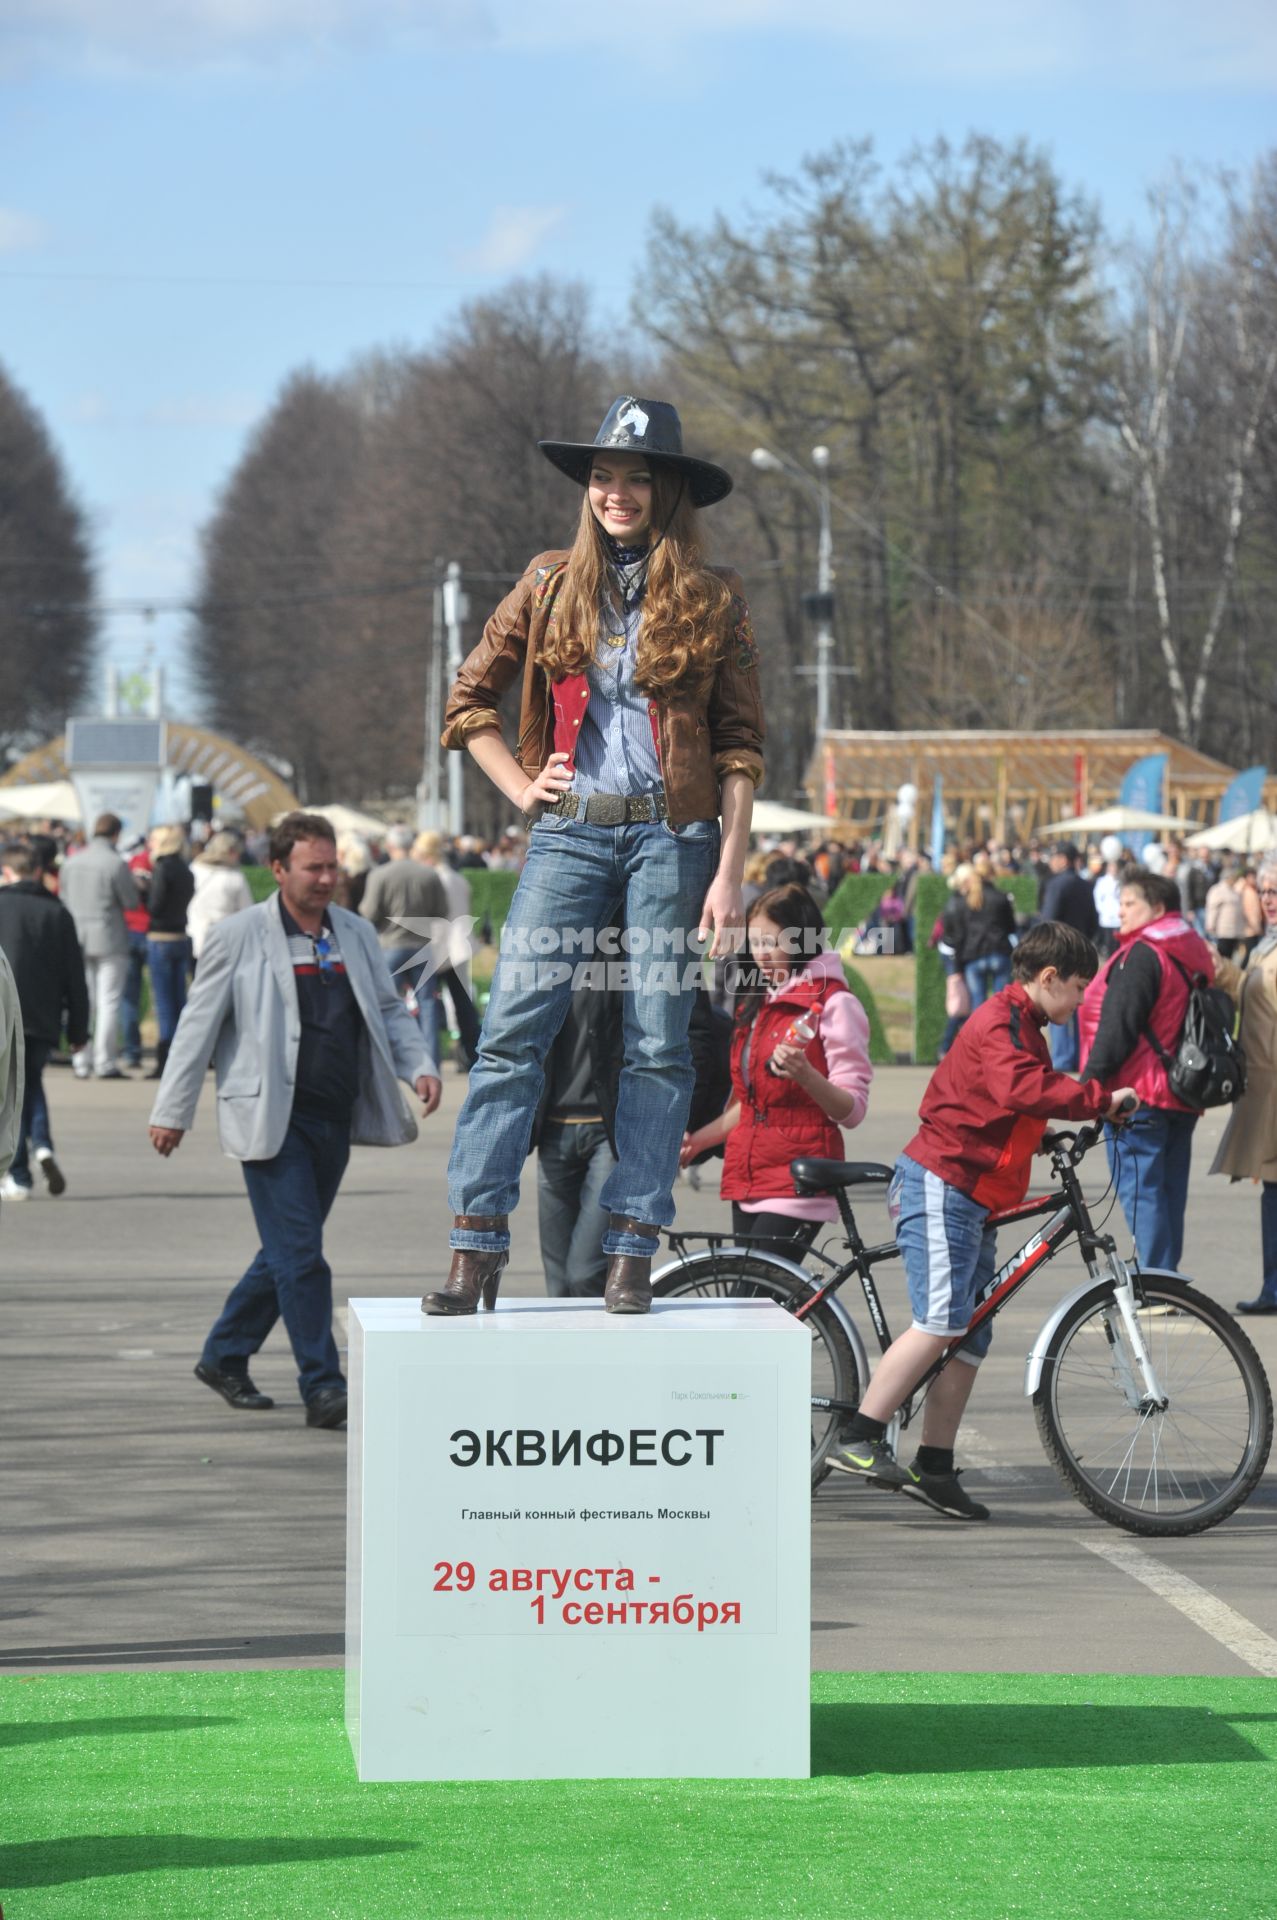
[(578, 1543)]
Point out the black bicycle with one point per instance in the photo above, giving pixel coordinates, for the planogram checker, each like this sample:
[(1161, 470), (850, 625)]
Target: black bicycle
[(1150, 1400)]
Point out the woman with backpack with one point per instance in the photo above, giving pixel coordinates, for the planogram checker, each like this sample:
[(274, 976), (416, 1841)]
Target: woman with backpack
[(800, 1073), (1129, 1024)]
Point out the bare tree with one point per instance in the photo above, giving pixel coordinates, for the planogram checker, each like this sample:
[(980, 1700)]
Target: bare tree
[(1219, 320)]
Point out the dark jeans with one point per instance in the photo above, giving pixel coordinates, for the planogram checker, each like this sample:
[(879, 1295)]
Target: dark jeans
[(170, 963), (573, 1163), (1150, 1159), (463, 1006), (289, 1278), (131, 1001), (34, 1131), (787, 1237), (1268, 1231)]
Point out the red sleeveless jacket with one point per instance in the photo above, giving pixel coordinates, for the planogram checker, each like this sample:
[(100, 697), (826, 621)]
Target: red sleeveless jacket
[(778, 1121), (1169, 935)]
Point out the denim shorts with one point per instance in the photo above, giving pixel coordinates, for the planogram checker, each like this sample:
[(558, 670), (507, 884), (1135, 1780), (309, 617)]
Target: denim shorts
[(949, 1253)]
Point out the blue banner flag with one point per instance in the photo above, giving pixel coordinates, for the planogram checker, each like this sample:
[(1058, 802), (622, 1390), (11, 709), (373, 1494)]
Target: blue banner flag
[(1245, 795), (1144, 786), (937, 823)]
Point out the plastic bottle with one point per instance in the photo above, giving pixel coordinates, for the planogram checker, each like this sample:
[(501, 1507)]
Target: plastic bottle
[(800, 1032)]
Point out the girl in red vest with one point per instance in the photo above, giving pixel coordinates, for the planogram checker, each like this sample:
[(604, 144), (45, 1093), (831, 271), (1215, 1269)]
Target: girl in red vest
[(791, 1096)]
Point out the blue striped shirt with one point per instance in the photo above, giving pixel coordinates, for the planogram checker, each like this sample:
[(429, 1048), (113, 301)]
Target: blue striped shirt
[(615, 750)]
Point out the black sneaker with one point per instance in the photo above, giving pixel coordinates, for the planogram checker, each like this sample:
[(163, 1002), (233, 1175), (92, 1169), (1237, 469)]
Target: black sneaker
[(327, 1409), (54, 1178), (942, 1492), (235, 1388), (872, 1459)]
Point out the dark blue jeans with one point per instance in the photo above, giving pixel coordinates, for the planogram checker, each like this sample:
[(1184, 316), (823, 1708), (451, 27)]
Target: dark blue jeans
[(1150, 1160), (1268, 1231), (35, 1113), (131, 1001), (574, 1164), (170, 964), (289, 1278)]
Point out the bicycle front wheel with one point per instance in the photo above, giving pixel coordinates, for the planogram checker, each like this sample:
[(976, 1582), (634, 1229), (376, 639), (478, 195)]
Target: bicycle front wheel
[(836, 1385), (1151, 1469)]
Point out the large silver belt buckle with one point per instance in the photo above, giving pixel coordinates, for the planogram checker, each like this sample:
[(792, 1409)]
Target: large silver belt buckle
[(607, 809)]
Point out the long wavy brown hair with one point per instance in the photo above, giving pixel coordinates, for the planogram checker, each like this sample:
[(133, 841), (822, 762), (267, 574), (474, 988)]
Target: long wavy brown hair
[(682, 628)]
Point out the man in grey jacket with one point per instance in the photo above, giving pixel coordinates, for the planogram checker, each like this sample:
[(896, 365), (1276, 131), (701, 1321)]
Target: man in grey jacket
[(407, 903), (98, 888), (295, 1006)]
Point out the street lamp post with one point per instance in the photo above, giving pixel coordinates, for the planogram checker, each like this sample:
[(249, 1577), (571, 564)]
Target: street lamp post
[(768, 462)]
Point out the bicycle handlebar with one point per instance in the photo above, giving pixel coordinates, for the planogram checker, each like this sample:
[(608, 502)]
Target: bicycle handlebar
[(1075, 1146)]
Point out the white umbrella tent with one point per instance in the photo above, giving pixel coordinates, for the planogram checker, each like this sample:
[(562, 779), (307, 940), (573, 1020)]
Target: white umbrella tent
[(1249, 833)]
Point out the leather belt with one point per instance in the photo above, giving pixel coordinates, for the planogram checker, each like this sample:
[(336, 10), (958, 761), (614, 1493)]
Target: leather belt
[(609, 809)]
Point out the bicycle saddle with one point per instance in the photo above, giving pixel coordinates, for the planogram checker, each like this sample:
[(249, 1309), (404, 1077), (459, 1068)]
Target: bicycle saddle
[(822, 1176)]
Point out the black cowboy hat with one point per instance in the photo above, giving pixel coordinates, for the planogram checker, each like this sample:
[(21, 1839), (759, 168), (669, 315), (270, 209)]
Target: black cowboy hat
[(650, 427)]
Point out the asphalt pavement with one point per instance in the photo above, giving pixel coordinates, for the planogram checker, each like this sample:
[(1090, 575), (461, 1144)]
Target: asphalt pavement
[(148, 1525)]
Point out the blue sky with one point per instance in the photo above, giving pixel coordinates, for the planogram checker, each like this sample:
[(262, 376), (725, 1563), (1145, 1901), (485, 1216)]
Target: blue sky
[(198, 196)]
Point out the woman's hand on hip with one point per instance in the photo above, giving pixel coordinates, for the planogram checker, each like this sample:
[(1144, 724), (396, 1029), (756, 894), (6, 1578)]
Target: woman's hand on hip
[(723, 916), (553, 780)]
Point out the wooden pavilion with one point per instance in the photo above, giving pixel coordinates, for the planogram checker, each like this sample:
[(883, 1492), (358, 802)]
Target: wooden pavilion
[(1006, 784)]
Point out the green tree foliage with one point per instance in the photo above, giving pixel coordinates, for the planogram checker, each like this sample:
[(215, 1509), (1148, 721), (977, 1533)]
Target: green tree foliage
[(47, 632)]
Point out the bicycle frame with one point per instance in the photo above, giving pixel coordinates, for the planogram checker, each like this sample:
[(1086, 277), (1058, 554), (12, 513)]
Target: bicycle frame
[(1069, 1218)]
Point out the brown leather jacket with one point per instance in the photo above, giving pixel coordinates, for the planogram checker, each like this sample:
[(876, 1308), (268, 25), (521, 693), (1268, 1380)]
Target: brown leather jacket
[(699, 737)]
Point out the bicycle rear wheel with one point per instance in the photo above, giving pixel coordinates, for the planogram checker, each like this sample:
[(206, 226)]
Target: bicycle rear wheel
[(1153, 1470), (836, 1385)]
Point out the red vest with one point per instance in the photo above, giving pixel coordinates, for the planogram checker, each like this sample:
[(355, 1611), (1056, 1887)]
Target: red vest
[(778, 1121), (1143, 1070), (571, 698)]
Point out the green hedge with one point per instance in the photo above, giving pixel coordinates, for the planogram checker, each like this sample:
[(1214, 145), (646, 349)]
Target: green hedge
[(928, 1009), (491, 891), (852, 902), (880, 1050)]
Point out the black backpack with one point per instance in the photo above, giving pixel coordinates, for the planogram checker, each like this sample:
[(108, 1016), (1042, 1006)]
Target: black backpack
[(1208, 1068)]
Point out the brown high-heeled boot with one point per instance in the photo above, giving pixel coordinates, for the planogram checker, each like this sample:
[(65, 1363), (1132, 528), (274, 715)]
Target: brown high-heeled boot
[(474, 1273), (629, 1275)]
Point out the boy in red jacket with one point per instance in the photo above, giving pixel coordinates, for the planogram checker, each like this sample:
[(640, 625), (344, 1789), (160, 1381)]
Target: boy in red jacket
[(981, 1121)]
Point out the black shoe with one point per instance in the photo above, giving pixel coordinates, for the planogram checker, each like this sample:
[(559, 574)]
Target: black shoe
[(872, 1459), (54, 1178), (327, 1409), (235, 1388), (941, 1491), (1262, 1305)]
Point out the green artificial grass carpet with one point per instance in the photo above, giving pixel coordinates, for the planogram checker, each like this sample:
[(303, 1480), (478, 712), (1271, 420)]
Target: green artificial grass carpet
[(976, 1796)]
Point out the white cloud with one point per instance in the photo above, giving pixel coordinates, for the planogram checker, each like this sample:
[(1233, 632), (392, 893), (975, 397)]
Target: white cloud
[(18, 230), (512, 238)]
